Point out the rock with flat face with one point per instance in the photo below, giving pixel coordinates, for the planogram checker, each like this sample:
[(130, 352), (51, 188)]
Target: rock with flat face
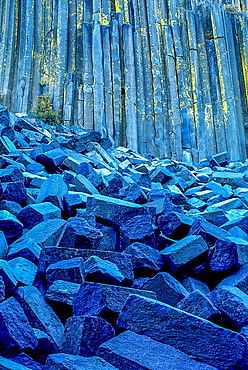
[(3, 246), (26, 248), (122, 261), (208, 231), (174, 224), (223, 255), (199, 305), (53, 229), (45, 346), (11, 174), (94, 299), (9, 364), (53, 190), (84, 334), (2, 289), (10, 226), (62, 361), (132, 351), (15, 192), (78, 233), (62, 291), (8, 276), (69, 270), (232, 302), (137, 227), (195, 336), (167, 288), (16, 332), (33, 214), (113, 210), (52, 158), (39, 313), (101, 271), (24, 360), (191, 284), (23, 270), (145, 257), (185, 251)]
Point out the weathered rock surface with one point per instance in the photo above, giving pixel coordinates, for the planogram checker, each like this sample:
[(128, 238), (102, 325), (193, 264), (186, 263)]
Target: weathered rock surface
[(138, 251), (168, 78)]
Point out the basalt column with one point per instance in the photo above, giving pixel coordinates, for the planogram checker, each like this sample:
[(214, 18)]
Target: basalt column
[(165, 77)]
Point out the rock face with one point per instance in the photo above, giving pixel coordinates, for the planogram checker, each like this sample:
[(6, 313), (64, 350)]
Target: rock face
[(140, 263), (168, 78)]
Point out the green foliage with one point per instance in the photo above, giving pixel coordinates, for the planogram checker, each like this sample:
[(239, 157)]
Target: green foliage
[(234, 9), (44, 111)]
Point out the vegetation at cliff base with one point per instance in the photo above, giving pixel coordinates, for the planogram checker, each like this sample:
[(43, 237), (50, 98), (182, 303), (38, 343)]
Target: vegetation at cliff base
[(44, 110)]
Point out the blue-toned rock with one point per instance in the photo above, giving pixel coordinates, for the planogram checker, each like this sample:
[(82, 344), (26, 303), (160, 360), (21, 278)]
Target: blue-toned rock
[(208, 231), (101, 271), (10, 226), (3, 246), (33, 214), (62, 291), (53, 190), (16, 332), (238, 279), (161, 174), (11, 174), (35, 168), (15, 192), (39, 313), (69, 270), (122, 261), (112, 210), (223, 255), (50, 237), (167, 288), (26, 248), (12, 207), (44, 347), (2, 289), (84, 185), (132, 351), (199, 305), (8, 364), (145, 257), (62, 361), (232, 302), (24, 360), (23, 270), (193, 335), (192, 284), (84, 334), (174, 225), (185, 251), (8, 277), (51, 159), (94, 299), (78, 233), (137, 227)]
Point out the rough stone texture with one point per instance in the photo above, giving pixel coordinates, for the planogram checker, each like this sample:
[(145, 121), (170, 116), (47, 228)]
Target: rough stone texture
[(16, 332), (62, 361), (132, 351), (195, 336), (133, 82), (162, 230), (84, 334), (39, 313), (101, 299)]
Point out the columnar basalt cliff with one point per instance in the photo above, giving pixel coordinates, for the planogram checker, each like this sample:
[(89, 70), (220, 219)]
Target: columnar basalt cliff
[(168, 77)]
